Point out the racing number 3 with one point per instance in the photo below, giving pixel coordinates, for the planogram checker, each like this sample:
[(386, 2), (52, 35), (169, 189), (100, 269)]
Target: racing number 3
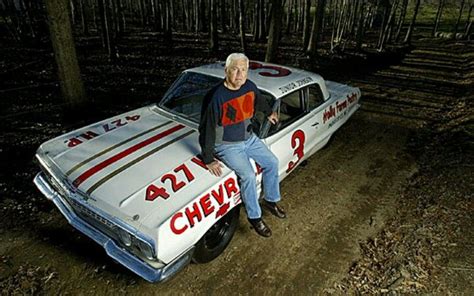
[(280, 71), (298, 147)]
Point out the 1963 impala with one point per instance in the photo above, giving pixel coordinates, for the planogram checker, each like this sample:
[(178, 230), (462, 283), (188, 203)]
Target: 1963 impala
[(136, 185)]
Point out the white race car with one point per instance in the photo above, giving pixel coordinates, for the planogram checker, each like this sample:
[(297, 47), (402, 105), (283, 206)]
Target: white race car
[(136, 185)]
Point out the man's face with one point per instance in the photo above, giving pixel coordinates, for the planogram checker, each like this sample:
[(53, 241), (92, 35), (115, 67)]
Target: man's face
[(236, 73)]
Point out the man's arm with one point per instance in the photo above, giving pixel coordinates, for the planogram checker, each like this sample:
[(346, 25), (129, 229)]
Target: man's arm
[(207, 137)]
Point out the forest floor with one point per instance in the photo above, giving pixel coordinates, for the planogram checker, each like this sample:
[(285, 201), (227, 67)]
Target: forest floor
[(386, 208)]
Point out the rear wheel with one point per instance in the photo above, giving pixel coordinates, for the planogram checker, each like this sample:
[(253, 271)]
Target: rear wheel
[(216, 239)]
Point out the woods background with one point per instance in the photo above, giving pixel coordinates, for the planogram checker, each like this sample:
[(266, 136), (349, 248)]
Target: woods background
[(323, 26), (387, 209)]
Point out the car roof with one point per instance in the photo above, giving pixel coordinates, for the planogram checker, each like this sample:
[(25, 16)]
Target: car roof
[(275, 79)]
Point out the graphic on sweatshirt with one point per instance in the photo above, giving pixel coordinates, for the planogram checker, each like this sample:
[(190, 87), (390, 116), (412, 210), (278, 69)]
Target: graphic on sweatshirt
[(238, 109)]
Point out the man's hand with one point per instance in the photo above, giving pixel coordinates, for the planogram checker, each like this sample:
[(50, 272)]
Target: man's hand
[(273, 118), (215, 168)]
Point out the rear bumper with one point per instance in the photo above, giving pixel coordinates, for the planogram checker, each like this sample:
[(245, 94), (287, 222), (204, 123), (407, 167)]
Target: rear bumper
[(118, 253)]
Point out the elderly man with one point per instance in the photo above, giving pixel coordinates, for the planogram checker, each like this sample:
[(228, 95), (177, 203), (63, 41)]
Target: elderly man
[(226, 135)]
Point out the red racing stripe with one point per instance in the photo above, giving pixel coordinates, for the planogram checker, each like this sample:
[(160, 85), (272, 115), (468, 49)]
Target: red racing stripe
[(84, 176)]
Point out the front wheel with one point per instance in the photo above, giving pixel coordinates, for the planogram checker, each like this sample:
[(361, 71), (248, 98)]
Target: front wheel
[(216, 239)]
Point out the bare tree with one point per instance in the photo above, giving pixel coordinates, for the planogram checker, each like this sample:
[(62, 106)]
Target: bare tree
[(401, 19), (316, 28), (412, 23), (439, 12), (121, 23), (386, 31), (274, 33), (213, 37), (467, 31), (223, 8), (455, 30), (385, 16), (259, 21), (106, 29), (362, 20), (307, 21), (242, 25), (288, 15), (167, 12), (72, 87)]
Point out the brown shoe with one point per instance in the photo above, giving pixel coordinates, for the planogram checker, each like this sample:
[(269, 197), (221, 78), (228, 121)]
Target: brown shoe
[(260, 227), (274, 209)]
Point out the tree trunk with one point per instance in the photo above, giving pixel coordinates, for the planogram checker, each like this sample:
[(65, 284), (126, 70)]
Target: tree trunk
[(261, 32), (360, 25), (386, 13), (340, 28), (256, 23), (223, 8), (412, 24), (455, 31), (120, 18), (468, 22), (82, 12), (373, 13), (242, 25), (316, 28), (202, 16), (141, 9), (296, 16), (439, 12), (213, 37), (274, 32), (168, 37), (401, 20), (388, 26), (73, 11), (107, 37), (306, 24), (65, 53), (288, 15)]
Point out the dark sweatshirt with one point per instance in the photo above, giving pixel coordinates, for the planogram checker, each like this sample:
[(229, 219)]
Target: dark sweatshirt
[(226, 116)]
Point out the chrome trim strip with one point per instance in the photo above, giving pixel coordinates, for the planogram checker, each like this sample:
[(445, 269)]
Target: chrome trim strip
[(119, 254)]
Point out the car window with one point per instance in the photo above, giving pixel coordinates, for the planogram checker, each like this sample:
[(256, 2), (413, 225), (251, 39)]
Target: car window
[(259, 118), (289, 110), (186, 94), (315, 96)]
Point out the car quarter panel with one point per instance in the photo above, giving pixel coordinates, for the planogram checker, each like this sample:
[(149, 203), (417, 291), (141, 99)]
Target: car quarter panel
[(302, 138)]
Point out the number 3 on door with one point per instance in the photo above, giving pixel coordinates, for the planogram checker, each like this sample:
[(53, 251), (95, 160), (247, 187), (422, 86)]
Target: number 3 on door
[(297, 143)]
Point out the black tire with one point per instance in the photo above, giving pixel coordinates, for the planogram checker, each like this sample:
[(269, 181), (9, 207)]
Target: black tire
[(216, 239)]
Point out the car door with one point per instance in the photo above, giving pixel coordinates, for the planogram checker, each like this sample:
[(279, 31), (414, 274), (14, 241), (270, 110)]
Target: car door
[(296, 135)]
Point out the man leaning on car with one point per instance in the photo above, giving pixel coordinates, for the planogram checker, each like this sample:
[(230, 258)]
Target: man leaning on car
[(225, 133)]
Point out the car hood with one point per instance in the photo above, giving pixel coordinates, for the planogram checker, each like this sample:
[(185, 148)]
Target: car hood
[(140, 167)]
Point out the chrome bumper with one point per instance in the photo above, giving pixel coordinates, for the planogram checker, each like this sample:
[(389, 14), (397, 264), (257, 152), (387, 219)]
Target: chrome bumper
[(112, 249)]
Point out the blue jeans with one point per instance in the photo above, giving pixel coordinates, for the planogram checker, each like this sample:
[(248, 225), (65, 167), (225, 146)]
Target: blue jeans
[(237, 158)]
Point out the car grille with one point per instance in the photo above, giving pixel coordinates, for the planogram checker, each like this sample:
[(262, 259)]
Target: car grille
[(82, 211), (96, 220)]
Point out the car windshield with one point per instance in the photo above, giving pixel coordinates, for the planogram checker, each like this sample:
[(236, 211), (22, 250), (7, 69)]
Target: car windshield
[(186, 94)]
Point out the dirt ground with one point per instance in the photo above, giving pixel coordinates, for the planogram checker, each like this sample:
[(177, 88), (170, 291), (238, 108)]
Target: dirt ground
[(386, 208)]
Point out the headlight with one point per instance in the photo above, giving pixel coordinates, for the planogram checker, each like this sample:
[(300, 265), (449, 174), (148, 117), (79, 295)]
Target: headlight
[(145, 249), (134, 244), (125, 237)]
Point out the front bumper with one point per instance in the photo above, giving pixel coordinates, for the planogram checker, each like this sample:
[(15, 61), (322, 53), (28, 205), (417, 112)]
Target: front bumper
[(118, 253)]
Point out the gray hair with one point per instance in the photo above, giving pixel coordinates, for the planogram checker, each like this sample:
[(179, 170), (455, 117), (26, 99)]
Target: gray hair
[(236, 56)]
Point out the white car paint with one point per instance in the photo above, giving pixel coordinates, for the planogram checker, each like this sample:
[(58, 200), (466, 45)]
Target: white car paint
[(139, 173)]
